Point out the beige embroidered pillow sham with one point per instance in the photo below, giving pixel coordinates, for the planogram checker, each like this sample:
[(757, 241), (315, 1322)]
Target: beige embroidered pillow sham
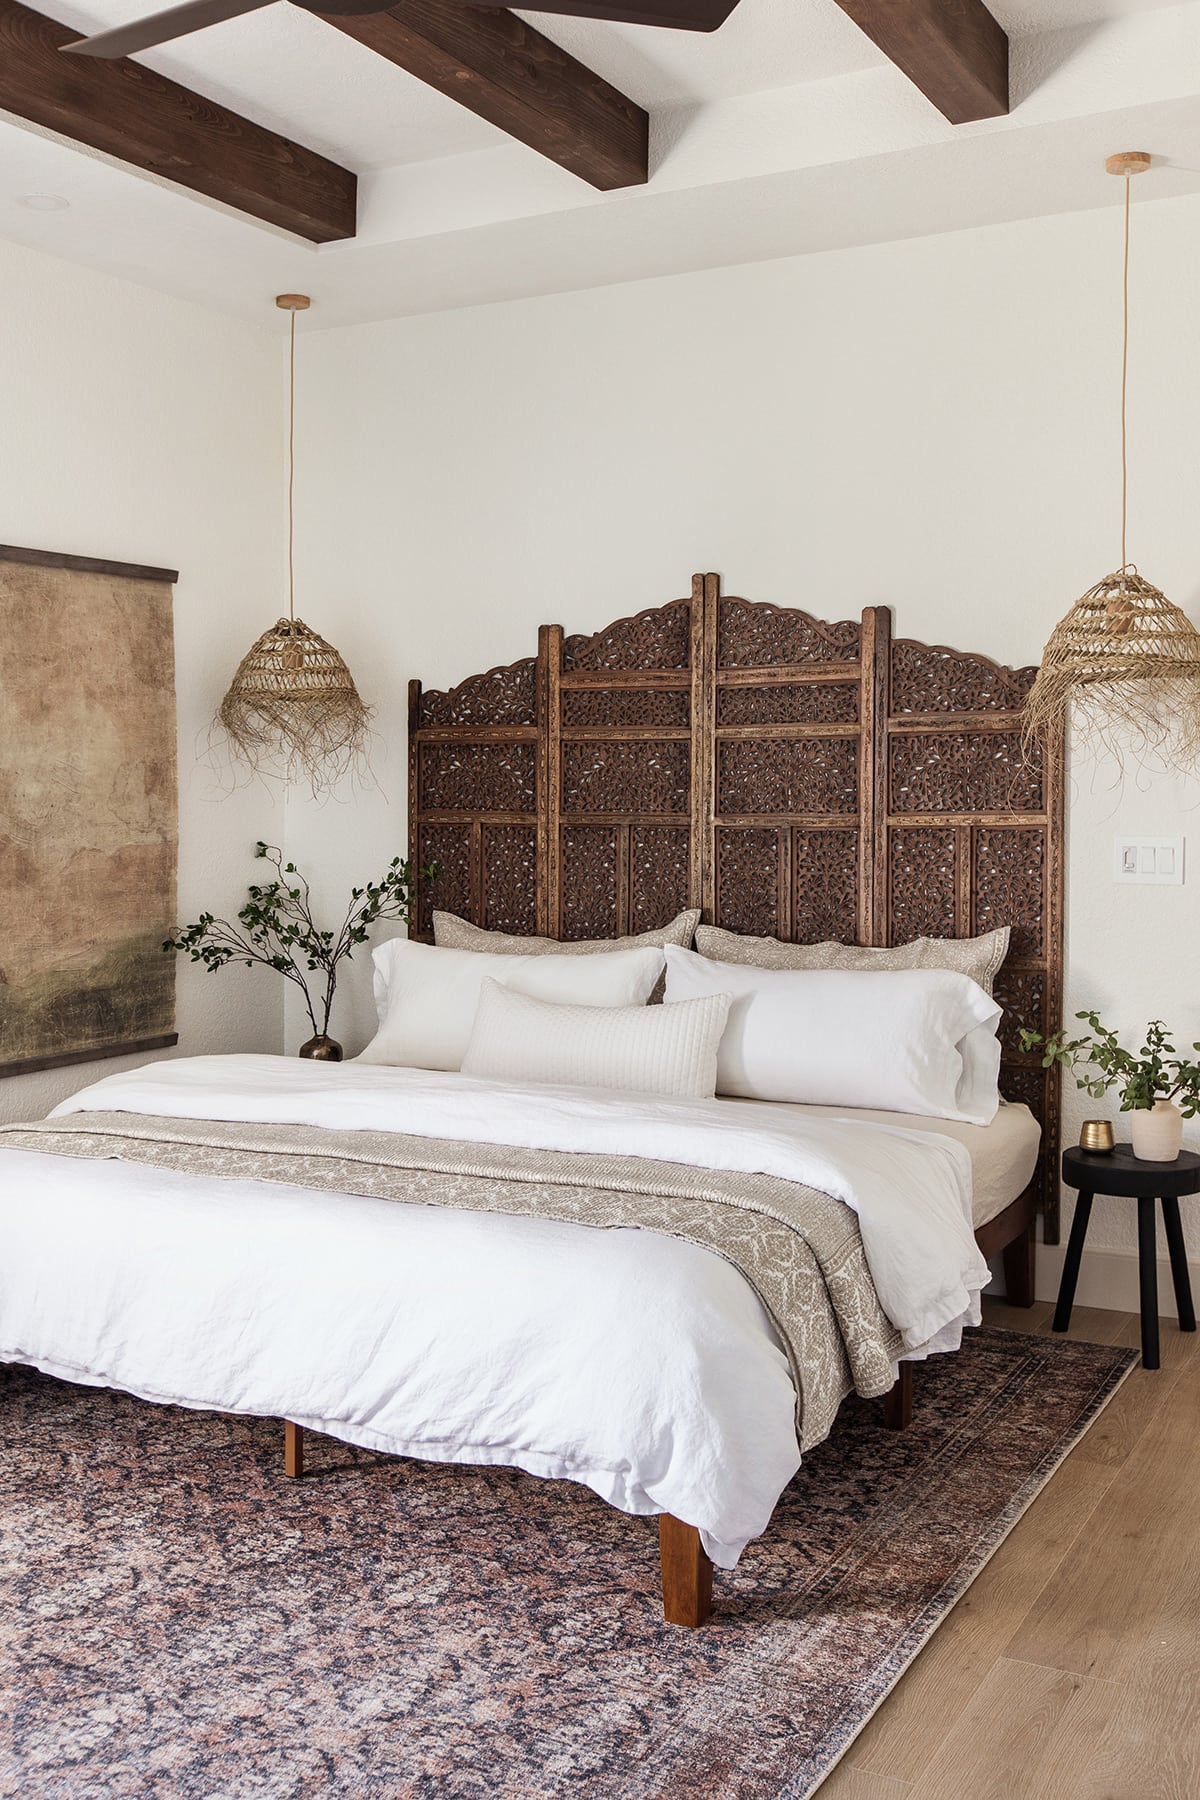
[(978, 957)]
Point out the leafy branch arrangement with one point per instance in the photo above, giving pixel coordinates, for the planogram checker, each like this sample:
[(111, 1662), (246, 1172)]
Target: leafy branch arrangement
[(276, 928), (1157, 1072)]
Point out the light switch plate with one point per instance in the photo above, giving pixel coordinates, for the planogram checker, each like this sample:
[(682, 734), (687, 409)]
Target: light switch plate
[(1150, 861)]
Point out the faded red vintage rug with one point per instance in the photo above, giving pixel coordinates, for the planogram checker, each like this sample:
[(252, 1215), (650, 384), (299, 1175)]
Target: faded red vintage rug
[(179, 1621)]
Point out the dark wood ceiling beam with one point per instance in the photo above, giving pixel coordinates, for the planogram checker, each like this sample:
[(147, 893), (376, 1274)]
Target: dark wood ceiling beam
[(129, 112), (677, 15), (953, 50), (499, 67)]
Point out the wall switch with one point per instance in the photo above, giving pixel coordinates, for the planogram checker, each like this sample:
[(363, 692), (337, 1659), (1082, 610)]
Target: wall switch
[(1149, 860)]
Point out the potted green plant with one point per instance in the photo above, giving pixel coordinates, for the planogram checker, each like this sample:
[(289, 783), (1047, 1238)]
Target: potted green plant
[(276, 930), (1158, 1087)]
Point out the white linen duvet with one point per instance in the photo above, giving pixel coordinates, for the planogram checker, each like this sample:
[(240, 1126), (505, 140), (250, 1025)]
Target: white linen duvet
[(642, 1366)]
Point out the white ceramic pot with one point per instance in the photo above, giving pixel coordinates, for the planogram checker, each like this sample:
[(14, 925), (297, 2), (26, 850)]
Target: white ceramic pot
[(1157, 1132)]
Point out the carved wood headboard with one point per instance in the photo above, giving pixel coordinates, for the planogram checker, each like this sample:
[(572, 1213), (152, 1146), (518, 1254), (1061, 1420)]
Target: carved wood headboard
[(791, 777)]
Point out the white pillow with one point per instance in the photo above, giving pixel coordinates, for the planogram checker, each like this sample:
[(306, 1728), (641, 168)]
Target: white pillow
[(907, 1041), (427, 997), (638, 1049)]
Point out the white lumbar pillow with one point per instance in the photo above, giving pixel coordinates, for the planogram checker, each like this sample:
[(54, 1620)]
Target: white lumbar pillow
[(908, 1041), (637, 1049), (427, 997)]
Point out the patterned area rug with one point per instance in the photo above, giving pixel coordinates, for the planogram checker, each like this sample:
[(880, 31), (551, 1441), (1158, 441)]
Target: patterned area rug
[(179, 1621)]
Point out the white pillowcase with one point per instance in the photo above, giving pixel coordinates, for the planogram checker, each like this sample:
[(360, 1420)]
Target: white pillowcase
[(909, 1041), (637, 1049), (427, 997)]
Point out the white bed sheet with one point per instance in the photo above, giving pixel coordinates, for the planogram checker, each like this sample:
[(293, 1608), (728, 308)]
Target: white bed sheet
[(1003, 1154)]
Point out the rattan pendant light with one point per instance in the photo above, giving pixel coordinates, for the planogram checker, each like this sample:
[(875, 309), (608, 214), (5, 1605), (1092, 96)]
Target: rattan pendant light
[(1125, 661), (292, 710)]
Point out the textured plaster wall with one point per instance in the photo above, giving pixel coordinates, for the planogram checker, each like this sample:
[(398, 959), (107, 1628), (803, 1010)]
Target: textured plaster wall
[(930, 424), (142, 429)]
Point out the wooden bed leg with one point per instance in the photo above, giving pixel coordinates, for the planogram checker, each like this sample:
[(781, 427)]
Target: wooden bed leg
[(686, 1573), (1019, 1268), (293, 1450), (898, 1405)]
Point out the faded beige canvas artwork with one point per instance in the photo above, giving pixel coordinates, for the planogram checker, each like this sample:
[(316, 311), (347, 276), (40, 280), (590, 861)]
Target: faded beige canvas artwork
[(88, 809)]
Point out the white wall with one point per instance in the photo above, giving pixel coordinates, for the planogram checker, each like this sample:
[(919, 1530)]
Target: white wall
[(930, 424), (142, 429)]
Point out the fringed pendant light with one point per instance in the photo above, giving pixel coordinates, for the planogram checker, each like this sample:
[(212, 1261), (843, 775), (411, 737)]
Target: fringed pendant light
[(292, 710), (1125, 660)]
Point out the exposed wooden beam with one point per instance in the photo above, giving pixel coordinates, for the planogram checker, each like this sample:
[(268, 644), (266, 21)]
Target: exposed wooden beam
[(677, 15), (502, 69), (954, 51), (127, 111)]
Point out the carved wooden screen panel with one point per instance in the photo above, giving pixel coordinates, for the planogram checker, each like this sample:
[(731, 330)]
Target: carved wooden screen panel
[(970, 837), (793, 778), (624, 755), (794, 709), (475, 771)]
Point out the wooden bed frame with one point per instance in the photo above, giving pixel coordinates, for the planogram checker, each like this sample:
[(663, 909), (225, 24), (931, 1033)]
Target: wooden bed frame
[(791, 778)]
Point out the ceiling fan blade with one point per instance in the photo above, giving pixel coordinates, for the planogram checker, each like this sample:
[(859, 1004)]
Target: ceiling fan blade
[(162, 27), (678, 15)]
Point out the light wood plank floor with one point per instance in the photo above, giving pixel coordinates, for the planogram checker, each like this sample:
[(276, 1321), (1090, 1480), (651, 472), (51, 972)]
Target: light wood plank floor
[(1070, 1670)]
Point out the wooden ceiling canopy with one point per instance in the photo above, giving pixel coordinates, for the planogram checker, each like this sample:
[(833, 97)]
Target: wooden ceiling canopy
[(481, 55), (793, 778)]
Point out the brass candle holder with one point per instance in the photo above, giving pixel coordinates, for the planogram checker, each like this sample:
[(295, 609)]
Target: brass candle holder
[(1097, 1135)]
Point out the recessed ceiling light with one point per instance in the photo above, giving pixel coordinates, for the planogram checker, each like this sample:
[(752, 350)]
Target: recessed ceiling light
[(44, 202)]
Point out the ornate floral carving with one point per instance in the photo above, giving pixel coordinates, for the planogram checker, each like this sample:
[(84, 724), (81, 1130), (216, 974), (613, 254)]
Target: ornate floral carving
[(824, 886), (479, 778), (788, 775), (626, 706), (921, 880), (929, 678), (810, 703), (630, 778), (961, 771), (660, 638), (754, 635), (589, 881), (748, 881), (659, 874), (510, 878), (450, 847), (1025, 1085), (1010, 885), (1023, 995), (506, 696)]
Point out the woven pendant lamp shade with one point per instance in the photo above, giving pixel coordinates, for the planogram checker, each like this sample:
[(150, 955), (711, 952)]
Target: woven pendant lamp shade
[(1125, 661), (292, 710)]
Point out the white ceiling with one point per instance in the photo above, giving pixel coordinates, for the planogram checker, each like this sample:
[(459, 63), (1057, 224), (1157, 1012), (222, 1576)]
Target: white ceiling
[(784, 132)]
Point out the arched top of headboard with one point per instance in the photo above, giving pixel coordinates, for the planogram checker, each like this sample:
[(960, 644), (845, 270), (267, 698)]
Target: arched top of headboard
[(792, 777)]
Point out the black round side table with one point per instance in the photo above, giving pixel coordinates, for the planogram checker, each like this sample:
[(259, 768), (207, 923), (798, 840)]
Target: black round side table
[(1120, 1172)]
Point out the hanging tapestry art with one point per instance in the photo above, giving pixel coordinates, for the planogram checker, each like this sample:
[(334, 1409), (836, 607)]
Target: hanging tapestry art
[(88, 809)]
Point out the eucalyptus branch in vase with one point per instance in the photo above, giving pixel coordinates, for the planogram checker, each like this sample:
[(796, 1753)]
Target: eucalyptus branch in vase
[(1157, 1087), (276, 929)]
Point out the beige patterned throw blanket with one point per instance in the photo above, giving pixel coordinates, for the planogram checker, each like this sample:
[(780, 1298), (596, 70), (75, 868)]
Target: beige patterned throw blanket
[(800, 1251)]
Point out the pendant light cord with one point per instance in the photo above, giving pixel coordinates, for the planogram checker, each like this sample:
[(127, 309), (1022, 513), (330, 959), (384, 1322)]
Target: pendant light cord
[(1124, 378), (292, 472)]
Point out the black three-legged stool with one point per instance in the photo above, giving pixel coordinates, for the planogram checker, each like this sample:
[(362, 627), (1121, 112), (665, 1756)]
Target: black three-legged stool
[(1120, 1172)]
